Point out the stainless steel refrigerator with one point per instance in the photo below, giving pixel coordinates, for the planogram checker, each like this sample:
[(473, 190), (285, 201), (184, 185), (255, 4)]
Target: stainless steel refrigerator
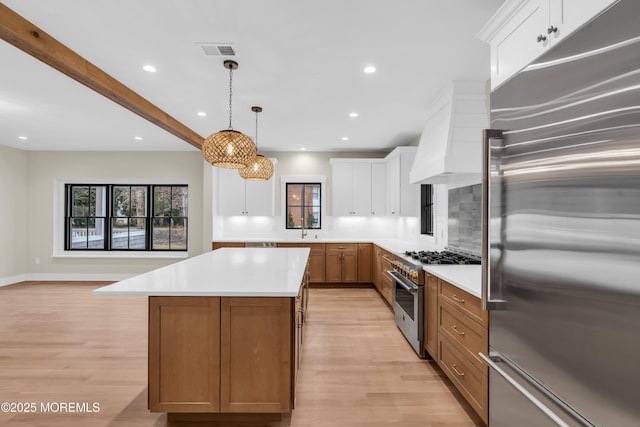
[(562, 232)]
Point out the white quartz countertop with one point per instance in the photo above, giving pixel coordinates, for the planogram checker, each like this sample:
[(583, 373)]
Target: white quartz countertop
[(466, 277), (243, 272)]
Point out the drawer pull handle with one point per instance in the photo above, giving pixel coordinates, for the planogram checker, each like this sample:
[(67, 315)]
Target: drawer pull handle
[(341, 247), (458, 373), (456, 330), (460, 300)]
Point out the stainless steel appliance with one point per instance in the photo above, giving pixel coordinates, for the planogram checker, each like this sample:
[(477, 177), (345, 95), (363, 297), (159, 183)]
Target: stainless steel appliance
[(408, 300), (408, 289), (562, 232)]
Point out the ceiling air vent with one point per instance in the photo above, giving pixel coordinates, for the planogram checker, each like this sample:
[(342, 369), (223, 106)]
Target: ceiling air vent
[(218, 49)]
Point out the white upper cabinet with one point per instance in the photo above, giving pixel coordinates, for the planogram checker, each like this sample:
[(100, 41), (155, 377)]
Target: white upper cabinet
[(402, 197), (237, 196), (522, 30), (378, 189), (353, 192)]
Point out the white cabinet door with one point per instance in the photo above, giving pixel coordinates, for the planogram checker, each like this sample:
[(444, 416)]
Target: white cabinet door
[(237, 196), (568, 15), (393, 185), (378, 189), (521, 32), (516, 44), (361, 189), (342, 184), (231, 192), (259, 198)]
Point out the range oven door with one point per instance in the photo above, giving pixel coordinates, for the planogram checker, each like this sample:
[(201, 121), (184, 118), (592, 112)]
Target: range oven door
[(408, 309)]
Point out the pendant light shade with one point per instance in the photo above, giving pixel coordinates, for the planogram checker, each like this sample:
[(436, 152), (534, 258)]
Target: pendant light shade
[(259, 168), (229, 148)]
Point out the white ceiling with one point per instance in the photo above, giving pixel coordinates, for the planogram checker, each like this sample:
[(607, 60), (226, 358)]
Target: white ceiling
[(301, 61)]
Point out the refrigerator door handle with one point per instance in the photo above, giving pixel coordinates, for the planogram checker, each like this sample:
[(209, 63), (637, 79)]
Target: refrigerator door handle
[(487, 302), (541, 406)]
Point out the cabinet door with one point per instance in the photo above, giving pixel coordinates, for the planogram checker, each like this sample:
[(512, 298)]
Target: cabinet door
[(378, 189), (317, 268), (231, 193), (516, 44), (334, 267), (342, 188), (350, 267), (365, 259), (361, 189), (184, 354), (377, 266), (259, 198), (569, 15), (256, 354), (393, 185)]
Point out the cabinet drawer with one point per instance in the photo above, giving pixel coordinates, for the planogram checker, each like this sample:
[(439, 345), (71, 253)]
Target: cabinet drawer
[(472, 383), (469, 304), (342, 247), (471, 337)]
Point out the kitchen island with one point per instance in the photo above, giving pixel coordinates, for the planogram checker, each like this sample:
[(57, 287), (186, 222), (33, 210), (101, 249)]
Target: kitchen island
[(224, 331)]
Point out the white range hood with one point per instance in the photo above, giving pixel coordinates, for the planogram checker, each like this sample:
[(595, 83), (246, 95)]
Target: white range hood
[(450, 149)]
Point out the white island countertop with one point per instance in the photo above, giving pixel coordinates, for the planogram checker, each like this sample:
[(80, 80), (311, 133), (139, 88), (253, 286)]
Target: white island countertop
[(466, 277), (239, 272)]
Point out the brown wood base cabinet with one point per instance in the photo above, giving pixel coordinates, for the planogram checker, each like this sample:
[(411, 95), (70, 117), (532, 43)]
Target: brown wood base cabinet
[(222, 354), (462, 334), (342, 263)]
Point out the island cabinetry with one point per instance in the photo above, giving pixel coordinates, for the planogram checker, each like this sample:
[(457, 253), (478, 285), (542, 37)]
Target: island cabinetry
[(221, 354), (317, 259), (255, 356), (365, 258), (462, 334), (184, 354), (342, 263)]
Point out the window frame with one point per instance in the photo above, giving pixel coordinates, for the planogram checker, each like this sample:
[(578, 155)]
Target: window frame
[(67, 189), (427, 205), (303, 205)]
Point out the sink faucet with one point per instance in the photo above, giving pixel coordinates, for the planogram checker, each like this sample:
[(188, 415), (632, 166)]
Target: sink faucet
[(302, 227)]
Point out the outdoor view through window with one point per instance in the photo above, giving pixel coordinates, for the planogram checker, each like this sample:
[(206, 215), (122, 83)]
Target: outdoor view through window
[(303, 202), (125, 217)]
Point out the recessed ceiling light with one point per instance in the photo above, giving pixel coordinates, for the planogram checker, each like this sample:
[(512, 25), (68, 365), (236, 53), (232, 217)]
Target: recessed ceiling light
[(345, 138), (149, 68), (370, 69), (353, 114), (303, 149), (138, 138), (23, 138), (202, 113)]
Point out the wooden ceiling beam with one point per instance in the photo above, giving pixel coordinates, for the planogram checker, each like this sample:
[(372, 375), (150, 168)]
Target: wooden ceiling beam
[(24, 35)]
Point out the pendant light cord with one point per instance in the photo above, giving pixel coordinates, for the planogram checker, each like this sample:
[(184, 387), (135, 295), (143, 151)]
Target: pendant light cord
[(256, 130), (230, 94)]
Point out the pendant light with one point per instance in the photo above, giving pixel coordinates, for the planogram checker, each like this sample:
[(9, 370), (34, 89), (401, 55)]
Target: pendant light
[(259, 168), (229, 148)]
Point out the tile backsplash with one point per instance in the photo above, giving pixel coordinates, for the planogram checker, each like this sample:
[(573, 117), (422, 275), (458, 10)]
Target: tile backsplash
[(465, 219)]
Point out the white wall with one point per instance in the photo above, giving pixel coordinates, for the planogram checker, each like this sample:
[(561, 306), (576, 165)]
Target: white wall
[(47, 167), (14, 204)]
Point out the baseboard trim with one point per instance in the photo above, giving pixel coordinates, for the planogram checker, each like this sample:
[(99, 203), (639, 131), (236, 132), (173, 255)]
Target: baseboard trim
[(63, 277), (4, 281)]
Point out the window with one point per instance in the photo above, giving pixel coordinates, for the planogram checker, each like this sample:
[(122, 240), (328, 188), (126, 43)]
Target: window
[(426, 209), (110, 217), (303, 202)]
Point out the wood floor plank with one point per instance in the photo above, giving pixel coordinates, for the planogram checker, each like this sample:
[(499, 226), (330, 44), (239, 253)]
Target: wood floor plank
[(59, 343)]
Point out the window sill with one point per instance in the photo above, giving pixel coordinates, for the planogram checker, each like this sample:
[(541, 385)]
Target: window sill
[(122, 255)]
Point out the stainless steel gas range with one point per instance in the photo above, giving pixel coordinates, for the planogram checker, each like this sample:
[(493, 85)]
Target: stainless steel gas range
[(408, 290)]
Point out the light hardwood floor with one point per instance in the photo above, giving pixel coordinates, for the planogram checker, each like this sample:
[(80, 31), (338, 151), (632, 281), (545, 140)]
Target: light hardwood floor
[(59, 343)]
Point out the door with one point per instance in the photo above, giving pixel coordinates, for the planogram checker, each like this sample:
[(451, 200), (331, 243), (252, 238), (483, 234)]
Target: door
[(431, 315), (342, 188), (365, 258), (361, 189), (378, 189), (184, 354), (255, 354), (259, 197), (231, 192)]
